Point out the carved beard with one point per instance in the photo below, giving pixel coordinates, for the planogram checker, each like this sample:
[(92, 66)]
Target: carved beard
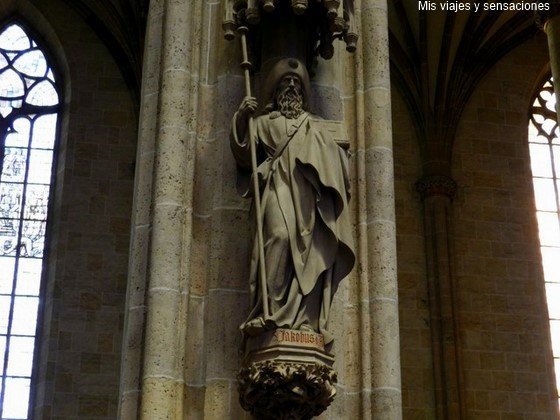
[(290, 102)]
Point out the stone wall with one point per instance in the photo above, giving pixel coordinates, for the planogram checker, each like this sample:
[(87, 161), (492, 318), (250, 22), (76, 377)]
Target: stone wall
[(80, 346), (506, 344)]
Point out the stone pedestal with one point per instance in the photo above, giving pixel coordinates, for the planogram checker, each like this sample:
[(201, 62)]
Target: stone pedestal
[(286, 374)]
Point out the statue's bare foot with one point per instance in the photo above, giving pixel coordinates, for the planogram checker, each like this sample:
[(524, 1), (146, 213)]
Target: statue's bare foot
[(254, 326)]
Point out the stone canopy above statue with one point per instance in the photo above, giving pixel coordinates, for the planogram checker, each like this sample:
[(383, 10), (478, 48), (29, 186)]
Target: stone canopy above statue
[(296, 28)]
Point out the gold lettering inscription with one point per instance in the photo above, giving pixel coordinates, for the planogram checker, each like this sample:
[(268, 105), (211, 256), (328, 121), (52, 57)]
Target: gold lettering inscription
[(299, 337)]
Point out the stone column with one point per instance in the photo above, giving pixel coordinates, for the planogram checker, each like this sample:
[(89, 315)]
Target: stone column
[(152, 384), (437, 193), (133, 335), (381, 389), (551, 25)]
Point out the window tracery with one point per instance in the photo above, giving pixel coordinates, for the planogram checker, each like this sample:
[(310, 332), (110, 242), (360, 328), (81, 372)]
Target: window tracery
[(29, 106)]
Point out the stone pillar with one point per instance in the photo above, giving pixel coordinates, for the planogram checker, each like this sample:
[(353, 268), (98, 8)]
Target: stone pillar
[(437, 193), (551, 25), (381, 386), (133, 335), (152, 384)]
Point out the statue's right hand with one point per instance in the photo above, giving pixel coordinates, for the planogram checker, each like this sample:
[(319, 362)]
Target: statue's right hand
[(247, 106)]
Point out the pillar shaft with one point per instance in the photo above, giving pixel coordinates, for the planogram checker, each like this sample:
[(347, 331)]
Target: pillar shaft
[(133, 336), (152, 384), (437, 193), (162, 370), (376, 231), (552, 29)]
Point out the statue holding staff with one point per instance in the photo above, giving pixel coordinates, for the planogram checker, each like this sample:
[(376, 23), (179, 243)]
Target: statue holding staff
[(303, 185)]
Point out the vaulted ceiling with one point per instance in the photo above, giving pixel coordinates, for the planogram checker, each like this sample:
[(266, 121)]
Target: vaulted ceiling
[(121, 25), (438, 57)]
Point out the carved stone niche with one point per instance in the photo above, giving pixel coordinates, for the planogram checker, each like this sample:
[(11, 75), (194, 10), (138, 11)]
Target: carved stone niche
[(287, 375)]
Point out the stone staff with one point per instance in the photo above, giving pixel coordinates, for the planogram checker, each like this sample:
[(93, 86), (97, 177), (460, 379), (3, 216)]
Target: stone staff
[(246, 66)]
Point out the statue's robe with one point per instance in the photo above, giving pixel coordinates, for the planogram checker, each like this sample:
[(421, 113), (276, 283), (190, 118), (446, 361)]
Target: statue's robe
[(303, 178)]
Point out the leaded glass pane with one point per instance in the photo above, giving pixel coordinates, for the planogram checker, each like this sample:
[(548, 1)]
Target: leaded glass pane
[(16, 397), (2, 351), (549, 99), (32, 238), (31, 63), (4, 313), (20, 359), (18, 136), (36, 202), (555, 332), (9, 229), (11, 85), (3, 62), (24, 317), (553, 295), (541, 164), (551, 263), (13, 38), (548, 126), (29, 276), (44, 132), (28, 114), (549, 228), (545, 195), (42, 94), (11, 196), (40, 168), (556, 157), (7, 267), (14, 166)]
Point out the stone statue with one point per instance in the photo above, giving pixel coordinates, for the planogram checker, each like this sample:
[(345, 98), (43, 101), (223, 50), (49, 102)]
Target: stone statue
[(304, 190)]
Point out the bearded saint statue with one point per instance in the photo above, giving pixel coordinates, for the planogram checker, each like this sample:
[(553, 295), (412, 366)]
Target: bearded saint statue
[(304, 190)]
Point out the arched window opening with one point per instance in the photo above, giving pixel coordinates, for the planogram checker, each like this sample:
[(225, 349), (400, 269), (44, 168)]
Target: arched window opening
[(29, 110), (544, 146)]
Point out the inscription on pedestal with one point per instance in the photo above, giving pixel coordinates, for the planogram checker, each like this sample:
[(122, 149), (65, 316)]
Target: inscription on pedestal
[(298, 338)]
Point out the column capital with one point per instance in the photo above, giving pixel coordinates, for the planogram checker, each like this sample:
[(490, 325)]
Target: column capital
[(431, 185), (541, 17)]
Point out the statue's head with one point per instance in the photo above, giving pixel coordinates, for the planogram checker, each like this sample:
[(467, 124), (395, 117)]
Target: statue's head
[(287, 88)]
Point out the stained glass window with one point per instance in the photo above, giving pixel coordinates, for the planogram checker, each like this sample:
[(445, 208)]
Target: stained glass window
[(544, 147), (28, 126)]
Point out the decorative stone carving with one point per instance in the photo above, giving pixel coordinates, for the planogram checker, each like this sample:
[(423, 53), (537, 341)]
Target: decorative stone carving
[(436, 185), (279, 390), (330, 20), (287, 375)]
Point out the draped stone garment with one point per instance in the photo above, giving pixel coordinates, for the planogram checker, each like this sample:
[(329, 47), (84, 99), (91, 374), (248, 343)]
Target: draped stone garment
[(303, 178)]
